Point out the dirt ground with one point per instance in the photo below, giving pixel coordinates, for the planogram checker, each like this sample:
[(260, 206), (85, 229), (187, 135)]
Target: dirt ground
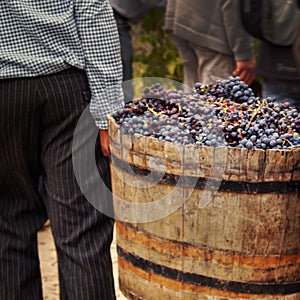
[(49, 265)]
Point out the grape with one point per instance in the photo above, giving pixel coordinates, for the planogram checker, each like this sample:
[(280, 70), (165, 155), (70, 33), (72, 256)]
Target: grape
[(249, 145), (223, 113)]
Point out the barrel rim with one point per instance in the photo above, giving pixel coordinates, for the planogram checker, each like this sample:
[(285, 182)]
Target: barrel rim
[(111, 119)]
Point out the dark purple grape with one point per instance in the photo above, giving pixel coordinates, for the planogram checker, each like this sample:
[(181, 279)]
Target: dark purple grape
[(223, 113)]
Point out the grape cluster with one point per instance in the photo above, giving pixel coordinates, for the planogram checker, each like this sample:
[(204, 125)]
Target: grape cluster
[(212, 115), (232, 88)]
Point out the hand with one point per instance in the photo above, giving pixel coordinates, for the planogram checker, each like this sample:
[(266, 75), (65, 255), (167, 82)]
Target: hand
[(104, 142), (245, 70)]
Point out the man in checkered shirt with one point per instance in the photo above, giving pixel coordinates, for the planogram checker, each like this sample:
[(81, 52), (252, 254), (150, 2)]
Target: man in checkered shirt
[(57, 58)]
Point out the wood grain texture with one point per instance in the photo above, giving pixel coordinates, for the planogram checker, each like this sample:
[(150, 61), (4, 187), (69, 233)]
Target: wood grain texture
[(243, 242)]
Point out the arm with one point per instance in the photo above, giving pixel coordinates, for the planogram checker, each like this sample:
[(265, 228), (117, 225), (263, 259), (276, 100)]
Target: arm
[(239, 41), (100, 43)]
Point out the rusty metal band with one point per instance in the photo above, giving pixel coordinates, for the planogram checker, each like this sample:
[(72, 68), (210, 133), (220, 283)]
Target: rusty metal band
[(246, 187)]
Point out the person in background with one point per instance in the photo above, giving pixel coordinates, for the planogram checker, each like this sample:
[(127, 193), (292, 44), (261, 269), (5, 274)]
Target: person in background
[(211, 40), (277, 67), (57, 60), (296, 46), (130, 12)]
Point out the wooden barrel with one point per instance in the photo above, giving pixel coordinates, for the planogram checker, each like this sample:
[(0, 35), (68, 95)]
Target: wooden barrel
[(243, 243)]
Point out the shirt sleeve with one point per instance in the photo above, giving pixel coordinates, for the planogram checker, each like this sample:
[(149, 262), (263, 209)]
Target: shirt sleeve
[(100, 44), (239, 40)]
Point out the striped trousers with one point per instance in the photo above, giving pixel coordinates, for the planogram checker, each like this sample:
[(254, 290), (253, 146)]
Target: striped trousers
[(37, 121)]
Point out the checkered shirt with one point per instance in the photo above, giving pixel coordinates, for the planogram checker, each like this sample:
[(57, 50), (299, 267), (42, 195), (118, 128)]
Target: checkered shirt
[(45, 37)]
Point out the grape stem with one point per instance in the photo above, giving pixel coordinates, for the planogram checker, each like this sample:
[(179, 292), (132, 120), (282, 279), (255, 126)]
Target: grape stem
[(256, 112)]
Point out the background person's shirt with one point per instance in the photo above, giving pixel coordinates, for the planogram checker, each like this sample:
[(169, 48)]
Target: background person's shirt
[(135, 10)]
